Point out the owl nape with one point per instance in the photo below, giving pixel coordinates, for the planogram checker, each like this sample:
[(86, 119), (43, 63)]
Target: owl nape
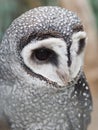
[(42, 82)]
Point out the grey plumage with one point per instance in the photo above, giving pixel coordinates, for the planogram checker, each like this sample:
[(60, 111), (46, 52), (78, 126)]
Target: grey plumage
[(29, 101)]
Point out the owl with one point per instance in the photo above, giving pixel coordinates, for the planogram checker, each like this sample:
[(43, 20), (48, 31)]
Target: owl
[(42, 83)]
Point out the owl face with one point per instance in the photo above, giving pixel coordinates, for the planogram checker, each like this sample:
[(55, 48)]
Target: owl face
[(49, 41), (49, 58)]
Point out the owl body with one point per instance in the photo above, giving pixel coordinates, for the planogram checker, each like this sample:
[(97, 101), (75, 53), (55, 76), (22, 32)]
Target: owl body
[(42, 84), (46, 107)]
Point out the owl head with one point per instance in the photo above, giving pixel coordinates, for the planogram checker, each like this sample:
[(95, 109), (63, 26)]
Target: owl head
[(47, 43)]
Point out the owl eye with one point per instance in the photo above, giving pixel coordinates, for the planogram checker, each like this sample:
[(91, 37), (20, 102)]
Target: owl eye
[(43, 54)]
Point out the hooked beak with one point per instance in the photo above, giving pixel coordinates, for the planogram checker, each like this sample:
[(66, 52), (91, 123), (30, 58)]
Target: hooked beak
[(63, 77)]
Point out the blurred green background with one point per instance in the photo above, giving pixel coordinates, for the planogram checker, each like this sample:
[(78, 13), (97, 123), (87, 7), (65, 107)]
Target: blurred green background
[(94, 5)]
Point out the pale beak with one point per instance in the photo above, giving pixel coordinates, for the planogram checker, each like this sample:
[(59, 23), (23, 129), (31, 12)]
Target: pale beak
[(63, 76)]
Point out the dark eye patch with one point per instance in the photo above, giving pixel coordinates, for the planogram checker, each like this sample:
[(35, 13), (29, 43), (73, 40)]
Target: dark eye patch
[(45, 55), (81, 45)]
